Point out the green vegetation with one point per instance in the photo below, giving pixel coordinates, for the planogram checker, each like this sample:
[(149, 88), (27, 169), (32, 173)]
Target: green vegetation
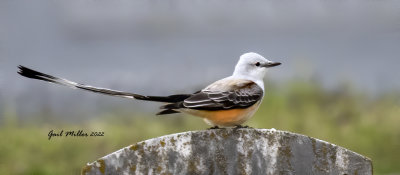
[(344, 116)]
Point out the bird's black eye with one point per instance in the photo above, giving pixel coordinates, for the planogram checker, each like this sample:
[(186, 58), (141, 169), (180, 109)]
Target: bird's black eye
[(258, 64)]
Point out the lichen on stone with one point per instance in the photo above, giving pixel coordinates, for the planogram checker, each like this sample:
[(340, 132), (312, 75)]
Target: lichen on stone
[(101, 165)]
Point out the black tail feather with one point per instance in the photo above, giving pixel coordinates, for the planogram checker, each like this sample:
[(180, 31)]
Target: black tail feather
[(30, 73), (167, 111), (172, 106), (175, 101), (166, 99)]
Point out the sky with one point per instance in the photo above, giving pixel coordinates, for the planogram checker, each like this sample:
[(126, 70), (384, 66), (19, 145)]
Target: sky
[(159, 47)]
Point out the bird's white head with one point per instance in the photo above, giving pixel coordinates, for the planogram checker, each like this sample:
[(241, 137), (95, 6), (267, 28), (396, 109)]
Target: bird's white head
[(253, 66)]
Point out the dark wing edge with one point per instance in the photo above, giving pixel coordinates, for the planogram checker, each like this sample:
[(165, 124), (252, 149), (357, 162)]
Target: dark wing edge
[(30, 73), (242, 97)]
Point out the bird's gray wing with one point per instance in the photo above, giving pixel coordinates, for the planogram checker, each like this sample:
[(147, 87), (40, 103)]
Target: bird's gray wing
[(242, 96)]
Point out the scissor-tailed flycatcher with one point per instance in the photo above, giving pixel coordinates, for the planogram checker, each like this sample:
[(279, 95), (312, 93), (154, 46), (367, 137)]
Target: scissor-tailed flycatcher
[(227, 102)]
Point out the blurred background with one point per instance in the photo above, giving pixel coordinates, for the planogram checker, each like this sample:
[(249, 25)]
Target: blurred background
[(339, 80)]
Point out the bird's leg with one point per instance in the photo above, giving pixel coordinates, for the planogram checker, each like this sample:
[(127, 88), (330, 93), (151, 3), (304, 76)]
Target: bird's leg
[(214, 127)]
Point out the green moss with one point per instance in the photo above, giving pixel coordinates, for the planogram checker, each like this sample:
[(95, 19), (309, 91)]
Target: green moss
[(134, 147), (212, 135), (133, 168), (159, 169), (172, 141), (102, 166), (162, 143), (86, 169)]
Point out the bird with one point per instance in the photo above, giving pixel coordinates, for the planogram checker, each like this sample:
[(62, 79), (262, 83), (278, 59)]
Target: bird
[(228, 102)]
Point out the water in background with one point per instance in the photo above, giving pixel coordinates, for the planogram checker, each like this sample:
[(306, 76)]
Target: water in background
[(177, 46)]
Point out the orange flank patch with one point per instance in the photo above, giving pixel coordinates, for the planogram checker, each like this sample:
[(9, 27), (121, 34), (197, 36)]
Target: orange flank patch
[(230, 117), (224, 116)]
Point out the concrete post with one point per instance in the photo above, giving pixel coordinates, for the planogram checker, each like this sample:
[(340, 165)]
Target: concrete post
[(232, 151)]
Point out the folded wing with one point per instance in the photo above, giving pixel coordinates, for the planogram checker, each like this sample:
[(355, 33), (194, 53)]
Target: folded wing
[(238, 97)]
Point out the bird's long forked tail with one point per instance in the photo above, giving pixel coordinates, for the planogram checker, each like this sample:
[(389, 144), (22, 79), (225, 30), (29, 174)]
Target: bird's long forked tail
[(30, 73)]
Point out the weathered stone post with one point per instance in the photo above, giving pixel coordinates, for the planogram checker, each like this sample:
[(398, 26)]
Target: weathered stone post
[(232, 151)]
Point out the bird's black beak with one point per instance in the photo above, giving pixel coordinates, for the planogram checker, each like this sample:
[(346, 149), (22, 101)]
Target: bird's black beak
[(272, 64)]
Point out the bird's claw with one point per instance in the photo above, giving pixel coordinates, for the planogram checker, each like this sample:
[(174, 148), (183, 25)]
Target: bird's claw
[(240, 126), (214, 127)]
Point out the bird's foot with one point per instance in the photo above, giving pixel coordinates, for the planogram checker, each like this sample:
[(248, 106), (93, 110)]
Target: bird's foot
[(214, 127), (240, 126)]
